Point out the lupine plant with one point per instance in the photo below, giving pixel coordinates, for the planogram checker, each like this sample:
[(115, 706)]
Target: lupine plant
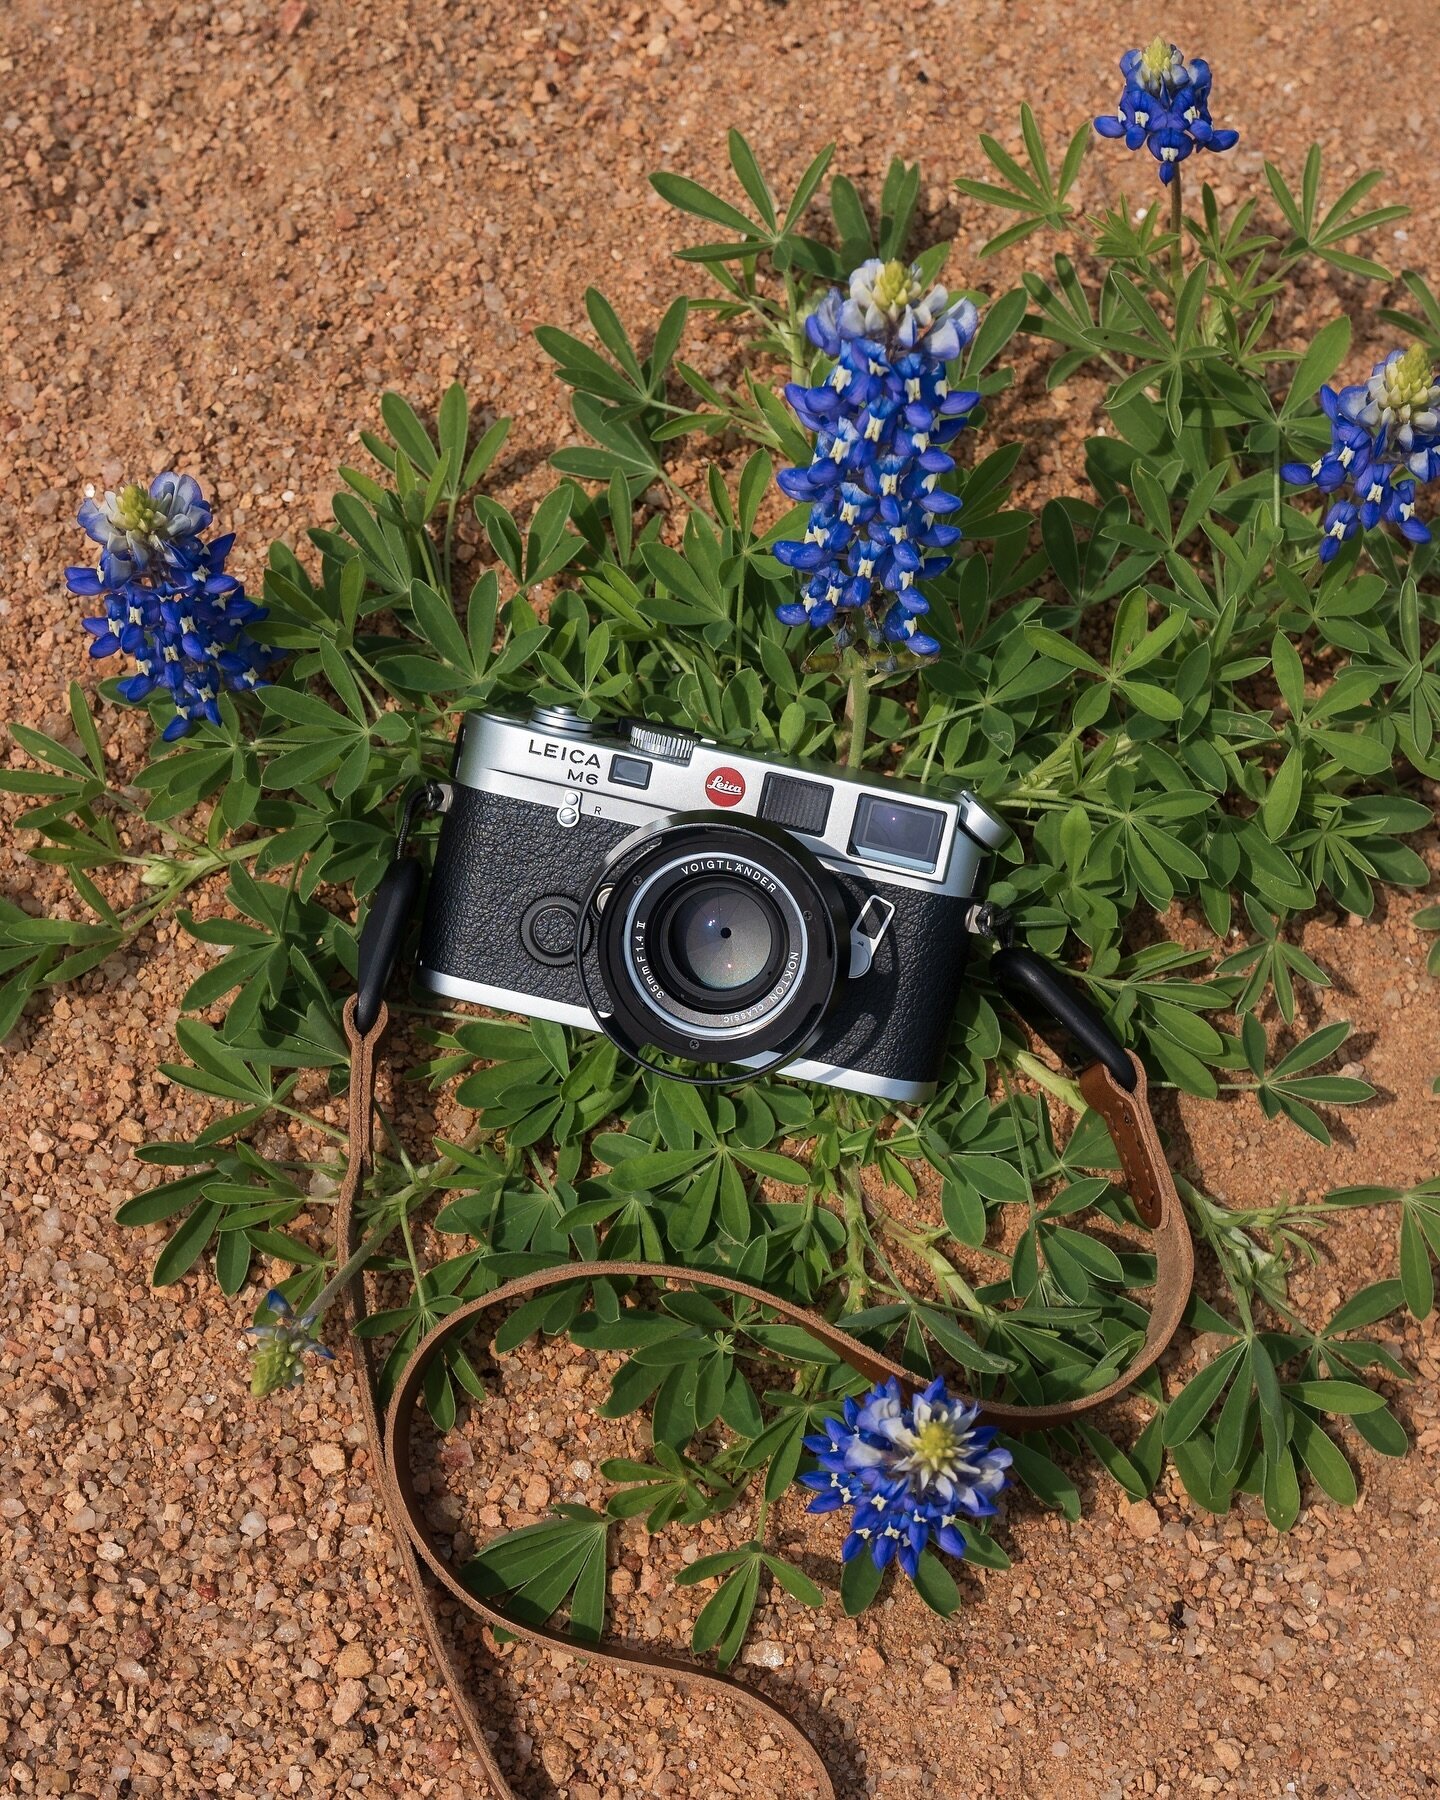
[(1177, 683), (169, 604), (911, 1471), (879, 520), (1384, 436), (1165, 106)]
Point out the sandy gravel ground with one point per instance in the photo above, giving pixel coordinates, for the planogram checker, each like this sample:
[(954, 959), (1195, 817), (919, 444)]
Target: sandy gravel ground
[(224, 229)]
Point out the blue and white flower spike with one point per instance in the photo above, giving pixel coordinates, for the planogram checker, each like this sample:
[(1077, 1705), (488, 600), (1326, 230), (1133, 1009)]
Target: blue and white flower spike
[(1165, 107), (879, 524), (138, 529), (281, 1346), (1399, 403), (169, 603), (913, 1473), (1341, 523), (1384, 437)]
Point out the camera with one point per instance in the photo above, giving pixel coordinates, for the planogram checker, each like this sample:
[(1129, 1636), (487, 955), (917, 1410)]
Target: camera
[(693, 901)]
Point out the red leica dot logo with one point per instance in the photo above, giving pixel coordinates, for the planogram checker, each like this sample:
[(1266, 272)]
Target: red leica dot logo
[(725, 787)]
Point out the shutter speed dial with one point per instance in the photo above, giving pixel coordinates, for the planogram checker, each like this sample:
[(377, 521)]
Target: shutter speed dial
[(670, 743)]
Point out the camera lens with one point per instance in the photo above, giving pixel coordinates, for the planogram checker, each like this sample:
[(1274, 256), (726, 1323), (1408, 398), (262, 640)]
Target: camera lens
[(715, 940), (721, 938)]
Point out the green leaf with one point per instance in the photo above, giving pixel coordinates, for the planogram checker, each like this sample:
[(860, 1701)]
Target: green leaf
[(439, 627), (1190, 1406), (1317, 365), (1374, 1302), (725, 1617), (807, 184), (1044, 1478), (1282, 797), (1114, 1461), (1343, 1397), (405, 427), (1282, 1490), (537, 1567), (688, 196), (742, 161), (1272, 1406), (163, 1202), (232, 1261), (1417, 1277), (964, 1212), (1325, 1461), (936, 1585), (1195, 1462), (795, 1582), (859, 1584), (183, 1250), (983, 1552), (454, 423)]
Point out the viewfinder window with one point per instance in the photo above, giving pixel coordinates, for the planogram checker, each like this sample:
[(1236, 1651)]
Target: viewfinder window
[(630, 771), (893, 831)]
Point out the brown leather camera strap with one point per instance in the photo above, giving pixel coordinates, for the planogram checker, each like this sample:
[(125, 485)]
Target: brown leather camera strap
[(1126, 1114)]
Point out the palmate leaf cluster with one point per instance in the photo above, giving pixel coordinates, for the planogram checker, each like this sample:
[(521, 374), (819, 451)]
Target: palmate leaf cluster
[(1152, 681)]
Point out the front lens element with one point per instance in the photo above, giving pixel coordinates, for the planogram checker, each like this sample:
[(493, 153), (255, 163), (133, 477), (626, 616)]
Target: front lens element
[(716, 941), (721, 938)]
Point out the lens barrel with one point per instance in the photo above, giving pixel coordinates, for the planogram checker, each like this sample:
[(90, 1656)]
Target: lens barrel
[(714, 941)]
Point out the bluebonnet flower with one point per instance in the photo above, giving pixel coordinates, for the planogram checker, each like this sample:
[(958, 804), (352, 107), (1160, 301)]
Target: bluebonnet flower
[(1165, 106), (167, 600), (141, 528), (913, 1471), (1401, 400), (1341, 522), (880, 523), (281, 1346), (1384, 437)]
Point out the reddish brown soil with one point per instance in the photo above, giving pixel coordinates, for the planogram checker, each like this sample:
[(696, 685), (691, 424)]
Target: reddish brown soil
[(224, 230)]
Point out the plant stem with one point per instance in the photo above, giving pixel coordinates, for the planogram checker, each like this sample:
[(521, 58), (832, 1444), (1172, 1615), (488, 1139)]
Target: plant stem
[(795, 331), (349, 1269), (857, 714), (315, 1123), (953, 1286), (186, 874), (1058, 757), (448, 552), (1052, 1080), (1177, 226), (760, 1519), (852, 1212)]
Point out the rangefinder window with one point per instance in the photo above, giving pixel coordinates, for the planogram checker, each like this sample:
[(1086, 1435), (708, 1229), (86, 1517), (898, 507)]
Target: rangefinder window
[(892, 832)]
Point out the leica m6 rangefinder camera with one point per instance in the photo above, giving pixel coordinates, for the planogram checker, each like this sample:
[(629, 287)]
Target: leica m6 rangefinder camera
[(695, 902)]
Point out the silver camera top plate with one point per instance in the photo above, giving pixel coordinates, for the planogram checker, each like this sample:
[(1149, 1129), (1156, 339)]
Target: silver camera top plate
[(934, 839)]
